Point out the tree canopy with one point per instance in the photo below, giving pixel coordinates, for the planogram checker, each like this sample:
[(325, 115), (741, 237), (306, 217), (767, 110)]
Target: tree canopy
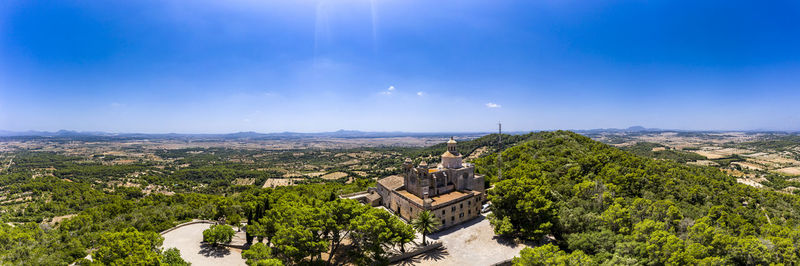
[(218, 234), (425, 223), (599, 204)]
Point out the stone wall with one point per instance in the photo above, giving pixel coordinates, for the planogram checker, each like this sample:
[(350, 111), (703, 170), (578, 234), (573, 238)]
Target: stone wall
[(478, 183), (402, 207), (458, 212), (450, 215), (187, 223)]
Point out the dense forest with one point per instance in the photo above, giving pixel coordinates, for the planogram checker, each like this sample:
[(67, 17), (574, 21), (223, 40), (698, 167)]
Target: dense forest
[(298, 221), (595, 204), (578, 201)]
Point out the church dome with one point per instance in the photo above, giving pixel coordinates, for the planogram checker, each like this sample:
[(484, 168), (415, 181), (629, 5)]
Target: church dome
[(447, 154)]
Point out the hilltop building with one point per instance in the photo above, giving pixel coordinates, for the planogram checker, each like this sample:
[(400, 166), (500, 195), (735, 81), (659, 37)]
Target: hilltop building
[(451, 190)]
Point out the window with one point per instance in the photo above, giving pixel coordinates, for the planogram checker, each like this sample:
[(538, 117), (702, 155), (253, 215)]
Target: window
[(452, 218), (442, 212), (461, 206), (469, 211), (469, 203), (453, 209), (461, 215)]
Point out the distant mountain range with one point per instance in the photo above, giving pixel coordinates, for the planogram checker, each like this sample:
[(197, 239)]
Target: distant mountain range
[(629, 129), (641, 129), (296, 135), (237, 135)]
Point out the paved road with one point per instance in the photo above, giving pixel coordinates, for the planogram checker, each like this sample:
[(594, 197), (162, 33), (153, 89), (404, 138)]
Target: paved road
[(188, 240), (472, 243)]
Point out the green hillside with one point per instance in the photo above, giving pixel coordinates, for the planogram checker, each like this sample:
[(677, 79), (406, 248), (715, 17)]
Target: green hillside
[(602, 205), (581, 202)]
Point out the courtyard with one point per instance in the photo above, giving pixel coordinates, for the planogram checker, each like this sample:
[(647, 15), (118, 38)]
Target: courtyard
[(471, 243), (188, 239)]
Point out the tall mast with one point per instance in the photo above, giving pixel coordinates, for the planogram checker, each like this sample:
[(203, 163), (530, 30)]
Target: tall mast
[(499, 151)]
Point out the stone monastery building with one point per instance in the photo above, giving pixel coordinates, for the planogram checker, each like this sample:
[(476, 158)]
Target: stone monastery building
[(451, 190)]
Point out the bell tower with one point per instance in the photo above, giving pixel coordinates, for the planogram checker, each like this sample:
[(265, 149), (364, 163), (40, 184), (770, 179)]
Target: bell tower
[(451, 159), (451, 146)]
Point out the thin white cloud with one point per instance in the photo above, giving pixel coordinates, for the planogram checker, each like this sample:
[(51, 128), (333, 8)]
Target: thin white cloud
[(419, 93), (388, 91), (493, 105), (116, 104)]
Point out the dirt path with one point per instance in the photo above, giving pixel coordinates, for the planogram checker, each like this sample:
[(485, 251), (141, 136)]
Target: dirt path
[(10, 161)]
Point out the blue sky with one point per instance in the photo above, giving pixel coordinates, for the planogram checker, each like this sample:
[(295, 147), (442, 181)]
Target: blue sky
[(398, 65)]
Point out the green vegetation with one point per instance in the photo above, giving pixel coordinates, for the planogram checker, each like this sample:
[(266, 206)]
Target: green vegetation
[(780, 182), (218, 234), (775, 143), (297, 221), (726, 161), (375, 230), (550, 254), (431, 154), (259, 254), (303, 222), (172, 257), (602, 205), (131, 247), (596, 204), (101, 216), (425, 223), (658, 151), (74, 238)]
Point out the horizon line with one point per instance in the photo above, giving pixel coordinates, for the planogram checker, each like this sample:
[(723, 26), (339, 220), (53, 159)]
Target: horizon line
[(89, 132)]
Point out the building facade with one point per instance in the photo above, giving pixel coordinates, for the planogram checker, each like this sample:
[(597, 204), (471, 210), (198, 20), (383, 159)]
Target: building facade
[(451, 190)]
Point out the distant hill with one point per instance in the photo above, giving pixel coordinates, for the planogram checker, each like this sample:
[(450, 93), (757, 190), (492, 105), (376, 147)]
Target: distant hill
[(629, 129), (238, 135), (599, 205)]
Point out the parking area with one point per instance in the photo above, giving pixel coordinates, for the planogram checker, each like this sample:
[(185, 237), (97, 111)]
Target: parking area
[(472, 243), (188, 239)]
